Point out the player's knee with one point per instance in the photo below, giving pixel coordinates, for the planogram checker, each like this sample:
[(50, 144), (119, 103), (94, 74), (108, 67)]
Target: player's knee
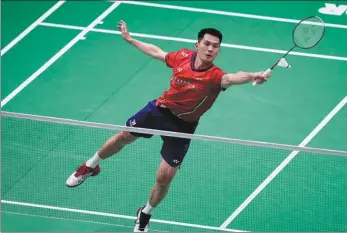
[(164, 179), (163, 184), (125, 138)]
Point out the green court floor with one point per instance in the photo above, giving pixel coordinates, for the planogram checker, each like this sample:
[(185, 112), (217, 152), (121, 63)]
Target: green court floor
[(103, 79)]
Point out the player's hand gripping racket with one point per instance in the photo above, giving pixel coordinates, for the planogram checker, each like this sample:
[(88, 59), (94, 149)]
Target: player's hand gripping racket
[(306, 34)]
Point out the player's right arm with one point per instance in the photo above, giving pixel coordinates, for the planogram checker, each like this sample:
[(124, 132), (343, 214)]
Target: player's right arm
[(241, 77), (149, 49)]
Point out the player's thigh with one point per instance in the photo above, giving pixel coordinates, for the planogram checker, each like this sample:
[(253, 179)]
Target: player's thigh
[(143, 119), (165, 173), (126, 137), (174, 150)]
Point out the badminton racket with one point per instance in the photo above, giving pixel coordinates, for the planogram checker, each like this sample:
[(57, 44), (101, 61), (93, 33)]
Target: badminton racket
[(306, 34)]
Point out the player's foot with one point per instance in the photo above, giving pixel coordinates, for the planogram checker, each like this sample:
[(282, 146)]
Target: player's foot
[(81, 174), (142, 221)]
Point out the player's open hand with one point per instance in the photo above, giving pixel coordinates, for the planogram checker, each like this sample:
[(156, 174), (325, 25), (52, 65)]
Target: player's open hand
[(260, 77), (122, 26)]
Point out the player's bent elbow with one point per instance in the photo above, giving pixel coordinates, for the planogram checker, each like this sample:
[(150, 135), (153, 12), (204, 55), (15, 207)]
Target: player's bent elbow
[(226, 81), (160, 56)]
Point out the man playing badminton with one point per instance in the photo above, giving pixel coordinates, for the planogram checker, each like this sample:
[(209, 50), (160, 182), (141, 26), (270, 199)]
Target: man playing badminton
[(194, 86)]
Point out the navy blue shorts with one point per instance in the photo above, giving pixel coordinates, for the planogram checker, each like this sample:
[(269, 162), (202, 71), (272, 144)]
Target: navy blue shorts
[(152, 117)]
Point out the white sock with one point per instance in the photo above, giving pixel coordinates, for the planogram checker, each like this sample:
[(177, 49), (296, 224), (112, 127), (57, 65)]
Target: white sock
[(93, 161), (148, 209)]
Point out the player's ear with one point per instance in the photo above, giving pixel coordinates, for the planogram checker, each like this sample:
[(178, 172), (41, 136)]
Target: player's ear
[(196, 45)]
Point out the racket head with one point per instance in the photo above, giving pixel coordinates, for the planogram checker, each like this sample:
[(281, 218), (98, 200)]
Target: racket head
[(308, 32)]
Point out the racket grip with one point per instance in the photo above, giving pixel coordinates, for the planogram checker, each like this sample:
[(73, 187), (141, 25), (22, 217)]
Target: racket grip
[(268, 71)]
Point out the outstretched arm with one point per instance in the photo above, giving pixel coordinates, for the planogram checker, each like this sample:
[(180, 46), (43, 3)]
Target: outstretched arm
[(149, 49), (241, 77)]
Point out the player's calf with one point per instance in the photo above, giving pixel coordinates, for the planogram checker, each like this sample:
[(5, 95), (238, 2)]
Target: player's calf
[(159, 191), (115, 144), (91, 168)]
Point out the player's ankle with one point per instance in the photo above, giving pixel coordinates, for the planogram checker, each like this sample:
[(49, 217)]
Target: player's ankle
[(94, 161), (148, 209)]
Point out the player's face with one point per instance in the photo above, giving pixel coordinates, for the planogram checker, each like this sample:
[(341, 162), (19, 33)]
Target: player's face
[(208, 48)]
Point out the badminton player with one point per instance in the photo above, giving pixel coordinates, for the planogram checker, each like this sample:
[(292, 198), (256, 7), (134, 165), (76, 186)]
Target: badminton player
[(195, 84)]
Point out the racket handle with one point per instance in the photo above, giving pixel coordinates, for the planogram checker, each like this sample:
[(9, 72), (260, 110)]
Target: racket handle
[(268, 71)]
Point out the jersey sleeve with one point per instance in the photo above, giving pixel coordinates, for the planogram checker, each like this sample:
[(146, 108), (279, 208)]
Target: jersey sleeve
[(170, 59), (218, 74)]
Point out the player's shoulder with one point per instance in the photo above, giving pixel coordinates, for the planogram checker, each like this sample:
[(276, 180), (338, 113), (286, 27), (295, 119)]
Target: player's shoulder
[(181, 55), (185, 53), (217, 70)]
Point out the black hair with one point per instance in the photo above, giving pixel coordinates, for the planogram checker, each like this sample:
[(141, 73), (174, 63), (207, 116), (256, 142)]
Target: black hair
[(210, 31)]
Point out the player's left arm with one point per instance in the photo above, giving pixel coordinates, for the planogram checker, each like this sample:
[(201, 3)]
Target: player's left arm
[(242, 77), (149, 49)]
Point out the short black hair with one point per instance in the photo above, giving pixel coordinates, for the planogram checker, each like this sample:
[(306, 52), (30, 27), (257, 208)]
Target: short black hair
[(211, 31)]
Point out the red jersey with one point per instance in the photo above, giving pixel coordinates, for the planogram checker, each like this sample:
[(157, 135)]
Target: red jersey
[(192, 92)]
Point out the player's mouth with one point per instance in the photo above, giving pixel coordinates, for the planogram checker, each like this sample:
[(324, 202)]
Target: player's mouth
[(208, 55)]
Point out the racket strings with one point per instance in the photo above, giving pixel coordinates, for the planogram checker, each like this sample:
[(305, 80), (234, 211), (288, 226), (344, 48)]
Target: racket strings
[(308, 32)]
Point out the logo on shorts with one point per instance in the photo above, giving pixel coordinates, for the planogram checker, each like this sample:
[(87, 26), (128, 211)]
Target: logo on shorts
[(176, 161)]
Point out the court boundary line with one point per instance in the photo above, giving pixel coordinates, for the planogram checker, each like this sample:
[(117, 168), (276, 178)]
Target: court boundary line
[(285, 162), (69, 45), (226, 13), (31, 27), (115, 215), (89, 124), (70, 219), (142, 35)]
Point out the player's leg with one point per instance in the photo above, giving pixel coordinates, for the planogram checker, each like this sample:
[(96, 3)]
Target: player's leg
[(173, 152), (112, 146), (91, 168), (165, 174)]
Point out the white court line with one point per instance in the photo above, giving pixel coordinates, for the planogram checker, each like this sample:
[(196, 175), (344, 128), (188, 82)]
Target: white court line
[(31, 27), (114, 215), (74, 220), (59, 54), (284, 163), (218, 12), (193, 41)]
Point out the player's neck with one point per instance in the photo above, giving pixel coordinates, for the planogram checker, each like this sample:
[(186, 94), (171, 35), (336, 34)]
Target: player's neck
[(200, 65)]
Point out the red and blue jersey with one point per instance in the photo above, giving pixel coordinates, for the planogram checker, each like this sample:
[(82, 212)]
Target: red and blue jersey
[(192, 92)]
